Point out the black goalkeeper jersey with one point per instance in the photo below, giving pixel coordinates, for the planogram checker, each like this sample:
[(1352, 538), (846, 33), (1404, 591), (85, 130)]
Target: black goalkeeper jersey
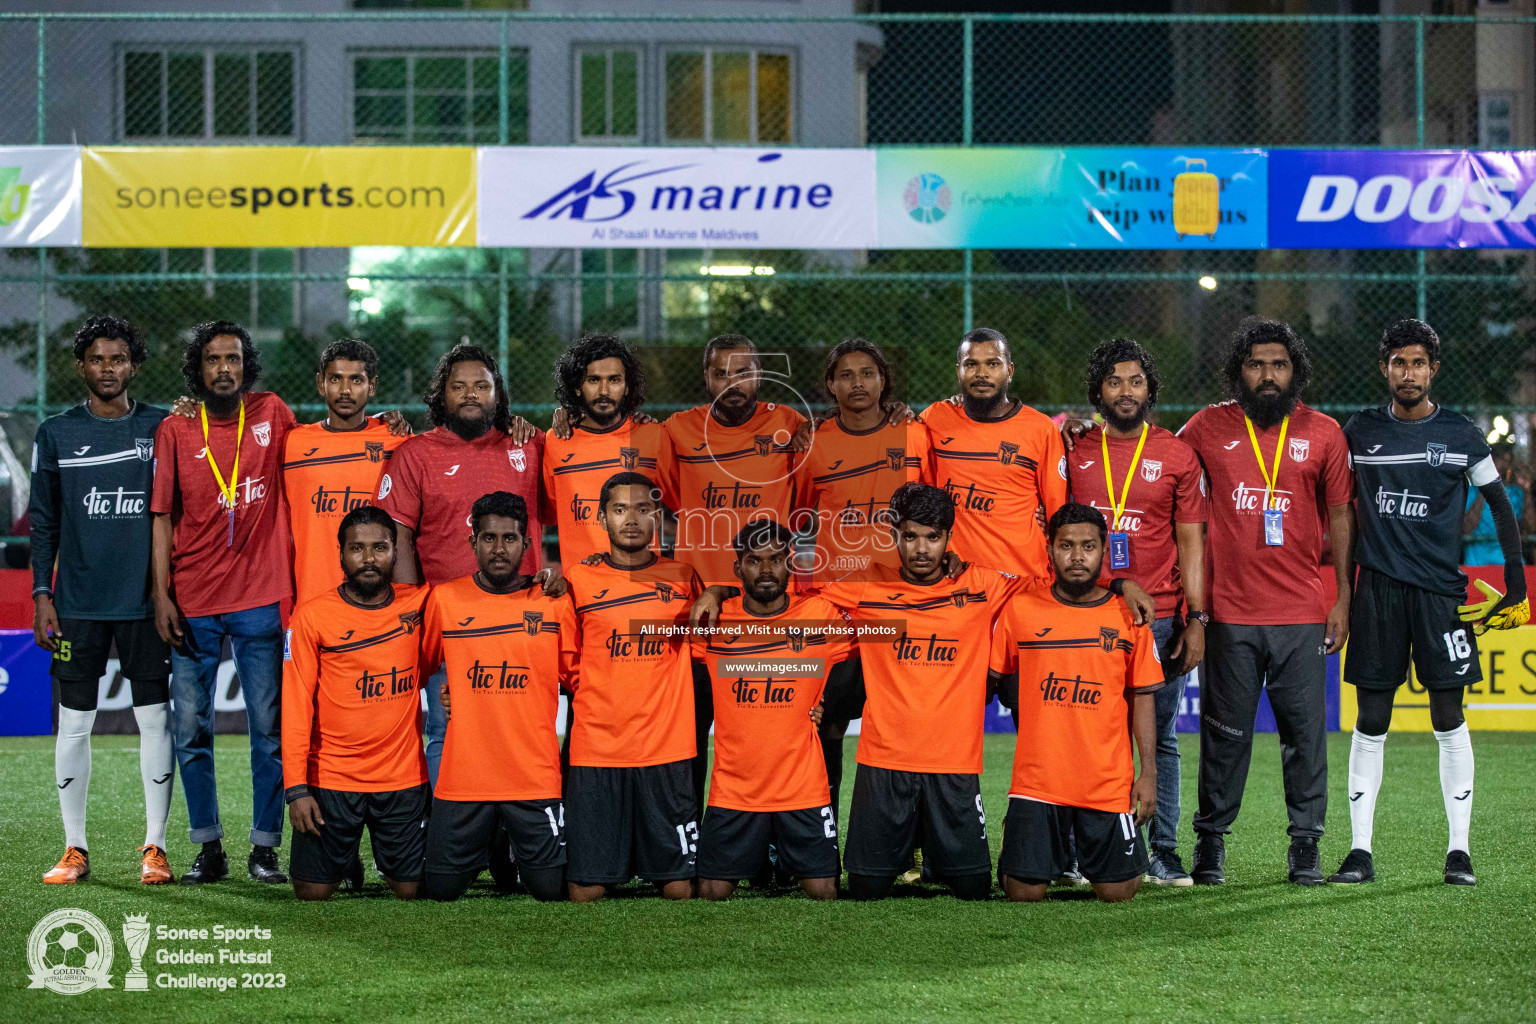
[(1411, 479), (91, 482)]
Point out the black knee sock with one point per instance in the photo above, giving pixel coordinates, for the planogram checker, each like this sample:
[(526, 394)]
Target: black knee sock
[(870, 887), (971, 887), (545, 884), (446, 887), (832, 753)]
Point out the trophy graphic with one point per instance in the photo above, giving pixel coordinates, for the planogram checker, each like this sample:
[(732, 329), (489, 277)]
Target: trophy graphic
[(136, 938)]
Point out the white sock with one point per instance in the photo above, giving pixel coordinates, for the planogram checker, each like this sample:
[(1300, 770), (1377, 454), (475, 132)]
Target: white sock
[(72, 770), (1366, 754), (1456, 783), (156, 769)]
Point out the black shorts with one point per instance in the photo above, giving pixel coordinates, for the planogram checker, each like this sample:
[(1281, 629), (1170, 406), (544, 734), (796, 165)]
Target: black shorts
[(623, 822), (397, 828), (891, 809), (87, 644), (733, 845), (460, 832), (1036, 837), (1389, 621)]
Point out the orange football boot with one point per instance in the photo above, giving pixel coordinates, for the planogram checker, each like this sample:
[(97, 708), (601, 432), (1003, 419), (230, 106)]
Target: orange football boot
[(73, 867), (155, 870)]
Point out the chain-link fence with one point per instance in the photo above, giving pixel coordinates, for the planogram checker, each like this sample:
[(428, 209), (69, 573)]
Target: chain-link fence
[(477, 78)]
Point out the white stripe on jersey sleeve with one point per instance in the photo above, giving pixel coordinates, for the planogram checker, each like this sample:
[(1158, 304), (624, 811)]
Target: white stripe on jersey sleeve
[(1484, 473)]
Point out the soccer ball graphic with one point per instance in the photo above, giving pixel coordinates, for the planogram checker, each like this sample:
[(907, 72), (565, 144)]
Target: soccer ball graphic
[(69, 944)]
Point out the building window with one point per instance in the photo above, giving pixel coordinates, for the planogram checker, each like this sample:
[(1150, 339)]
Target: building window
[(1495, 120), (437, 98), (439, 5), (176, 94), (265, 307), (610, 302), (608, 95), (718, 95)]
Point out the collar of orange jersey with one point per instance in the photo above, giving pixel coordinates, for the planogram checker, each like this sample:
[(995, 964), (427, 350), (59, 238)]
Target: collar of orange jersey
[(582, 426), (1077, 604), (609, 562), (771, 615), (845, 428), (907, 578), (1001, 419), (341, 590)]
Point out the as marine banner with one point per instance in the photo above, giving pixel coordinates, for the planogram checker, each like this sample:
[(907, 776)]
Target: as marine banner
[(39, 196), (286, 196), (665, 198)]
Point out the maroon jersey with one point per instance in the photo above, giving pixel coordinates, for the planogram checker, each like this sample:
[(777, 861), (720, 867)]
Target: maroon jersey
[(434, 478), (214, 571), (1253, 583), (1166, 488)]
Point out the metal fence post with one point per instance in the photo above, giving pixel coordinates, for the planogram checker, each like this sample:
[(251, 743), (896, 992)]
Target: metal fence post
[(1421, 282), (968, 91), (503, 136), (42, 253)]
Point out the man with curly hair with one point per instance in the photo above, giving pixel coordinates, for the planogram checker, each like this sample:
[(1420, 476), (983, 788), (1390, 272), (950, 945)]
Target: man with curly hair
[(599, 388), (476, 446), (222, 567), (1272, 464), (92, 472)]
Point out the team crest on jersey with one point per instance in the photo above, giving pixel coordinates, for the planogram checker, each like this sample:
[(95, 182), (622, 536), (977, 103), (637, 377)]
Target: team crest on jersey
[(764, 445), (896, 459), (145, 446), (1300, 446), (1006, 451), (628, 456), (959, 598), (664, 591), (1434, 454), (517, 458), (374, 450), (797, 641), (1151, 470), (1107, 637), (531, 621), (409, 621), (262, 432)]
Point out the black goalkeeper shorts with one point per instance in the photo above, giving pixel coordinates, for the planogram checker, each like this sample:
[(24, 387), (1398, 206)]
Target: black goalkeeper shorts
[(1391, 622)]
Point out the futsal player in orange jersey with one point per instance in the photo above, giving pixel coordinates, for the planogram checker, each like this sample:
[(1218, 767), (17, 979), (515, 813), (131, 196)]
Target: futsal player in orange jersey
[(351, 728), (508, 649), (1086, 675), (334, 466), (769, 786), (631, 807)]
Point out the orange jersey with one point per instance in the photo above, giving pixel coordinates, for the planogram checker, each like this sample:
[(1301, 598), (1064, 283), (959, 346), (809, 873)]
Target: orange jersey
[(718, 478), (997, 473), (925, 675), (575, 471), (632, 705), (506, 656), (326, 474), (767, 754), (352, 694), (847, 480), (1077, 666)]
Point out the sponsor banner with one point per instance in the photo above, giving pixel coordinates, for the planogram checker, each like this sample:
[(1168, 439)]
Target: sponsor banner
[(286, 196), (1504, 699), (1387, 199), (39, 196), (26, 688), (1078, 198), (676, 198)]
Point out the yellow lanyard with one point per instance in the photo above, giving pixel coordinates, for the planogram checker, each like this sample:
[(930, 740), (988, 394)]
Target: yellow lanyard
[(1271, 477), (228, 489), (1109, 480)]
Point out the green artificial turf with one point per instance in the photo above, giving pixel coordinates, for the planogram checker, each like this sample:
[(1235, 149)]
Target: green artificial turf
[(1407, 948)]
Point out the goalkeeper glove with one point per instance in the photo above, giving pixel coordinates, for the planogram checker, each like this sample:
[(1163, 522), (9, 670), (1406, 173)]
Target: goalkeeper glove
[(1495, 611)]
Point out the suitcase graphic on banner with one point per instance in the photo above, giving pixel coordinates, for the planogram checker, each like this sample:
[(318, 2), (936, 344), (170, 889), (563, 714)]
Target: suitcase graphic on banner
[(1196, 202)]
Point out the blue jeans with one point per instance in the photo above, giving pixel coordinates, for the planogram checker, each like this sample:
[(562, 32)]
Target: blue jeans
[(1163, 829), (437, 723), (256, 634)]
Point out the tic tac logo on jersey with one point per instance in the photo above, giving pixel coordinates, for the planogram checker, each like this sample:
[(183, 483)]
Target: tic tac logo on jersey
[(1402, 504), (1130, 518), (501, 676), (396, 682), (251, 489), (635, 645), (337, 501), (929, 650), (1074, 692), (113, 504), (1247, 498), (766, 692), (737, 496)]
